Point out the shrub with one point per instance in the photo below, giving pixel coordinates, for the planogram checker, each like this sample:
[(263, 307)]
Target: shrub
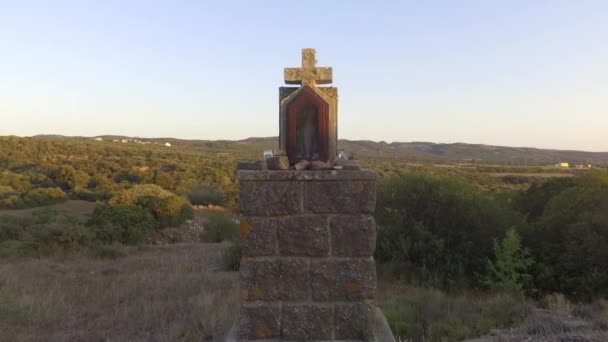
[(569, 240), (436, 229), (431, 315), (127, 224), (167, 208), (14, 248), (206, 195), (232, 256), (220, 228), (44, 196), (92, 196), (508, 271)]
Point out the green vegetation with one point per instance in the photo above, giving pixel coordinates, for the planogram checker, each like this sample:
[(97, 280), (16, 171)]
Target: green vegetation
[(509, 269), (460, 229), (568, 240), (232, 256), (167, 208), (437, 230), (46, 232), (432, 315), (94, 171), (206, 195), (11, 199), (221, 228), (126, 224), (442, 232)]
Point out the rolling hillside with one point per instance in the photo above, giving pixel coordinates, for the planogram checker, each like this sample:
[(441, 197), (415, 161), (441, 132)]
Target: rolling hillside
[(411, 151)]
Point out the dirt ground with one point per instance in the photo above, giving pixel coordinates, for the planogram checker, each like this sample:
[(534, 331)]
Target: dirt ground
[(156, 293)]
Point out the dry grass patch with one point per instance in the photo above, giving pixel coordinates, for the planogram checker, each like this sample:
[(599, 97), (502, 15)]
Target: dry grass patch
[(163, 293)]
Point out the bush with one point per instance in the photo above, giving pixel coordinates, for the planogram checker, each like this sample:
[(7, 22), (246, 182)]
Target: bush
[(167, 208), (33, 198), (220, 228), (44, 196), (46, 232), (206, 195), (508, 271), (569, 240), (431, 315), (127, 224), (232, 256), (438, 230)]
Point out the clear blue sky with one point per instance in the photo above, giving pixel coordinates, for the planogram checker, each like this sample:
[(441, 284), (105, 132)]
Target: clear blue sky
[(518, 73)]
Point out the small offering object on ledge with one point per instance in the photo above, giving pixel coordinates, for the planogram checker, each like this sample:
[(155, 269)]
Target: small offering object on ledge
[(302, 165), (280, 161)]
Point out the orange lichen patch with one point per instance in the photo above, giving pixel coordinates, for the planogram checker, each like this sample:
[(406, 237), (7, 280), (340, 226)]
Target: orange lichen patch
[(276, 198), (245, 228), (244, 294), (263, 331), (353, 287), (359, 186), (257, 294)]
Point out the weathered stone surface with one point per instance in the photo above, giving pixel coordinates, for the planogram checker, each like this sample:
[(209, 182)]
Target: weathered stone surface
[(294, 281), (258, 236), (353, 235), (259, 321), (303, 235), (249, 165), (276, 279), (260, 279), (347, 197), (306, 322), (354, 321), (277, 163), (309, 73), (270, 198), (343, 280), (348, 164), (320, 165), (292, 175)]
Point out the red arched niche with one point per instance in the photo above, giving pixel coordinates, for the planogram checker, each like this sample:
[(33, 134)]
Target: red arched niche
[(307, 96)]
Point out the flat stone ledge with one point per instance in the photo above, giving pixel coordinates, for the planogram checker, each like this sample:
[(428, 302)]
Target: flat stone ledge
[(307, 175), (382, 332)]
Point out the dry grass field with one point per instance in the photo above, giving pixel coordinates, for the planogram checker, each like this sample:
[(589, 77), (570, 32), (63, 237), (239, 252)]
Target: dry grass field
[(71, 207), (162, 293)]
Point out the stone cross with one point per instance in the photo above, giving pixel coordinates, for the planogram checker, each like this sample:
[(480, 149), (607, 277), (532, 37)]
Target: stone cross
[(309, 74)]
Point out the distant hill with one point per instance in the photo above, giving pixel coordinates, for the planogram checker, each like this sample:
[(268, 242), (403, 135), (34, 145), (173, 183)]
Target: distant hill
[(412, 151)]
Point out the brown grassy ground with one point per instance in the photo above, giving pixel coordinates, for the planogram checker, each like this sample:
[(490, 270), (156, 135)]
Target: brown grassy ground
[(161, 293), (71, 207)]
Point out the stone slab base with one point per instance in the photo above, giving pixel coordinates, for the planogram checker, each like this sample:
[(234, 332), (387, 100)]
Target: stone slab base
[(382, 332)]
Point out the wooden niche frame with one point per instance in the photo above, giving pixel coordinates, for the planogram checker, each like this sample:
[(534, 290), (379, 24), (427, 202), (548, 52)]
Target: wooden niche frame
[(308, 96)]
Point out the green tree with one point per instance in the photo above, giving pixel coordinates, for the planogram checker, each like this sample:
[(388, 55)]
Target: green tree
[(509, 269), (438, 230)]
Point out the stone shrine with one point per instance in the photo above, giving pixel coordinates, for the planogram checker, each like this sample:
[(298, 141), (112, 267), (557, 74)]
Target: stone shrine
[(308, 237), (308, 117)]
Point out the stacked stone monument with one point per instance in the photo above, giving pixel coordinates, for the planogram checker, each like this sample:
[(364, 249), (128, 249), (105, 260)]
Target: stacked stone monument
[(308, 237)]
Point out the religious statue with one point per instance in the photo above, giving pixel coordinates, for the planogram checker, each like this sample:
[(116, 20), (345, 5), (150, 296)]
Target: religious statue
[(307, 133)]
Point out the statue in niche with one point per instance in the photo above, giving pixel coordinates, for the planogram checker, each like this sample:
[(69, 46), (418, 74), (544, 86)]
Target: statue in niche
[(307, 137)]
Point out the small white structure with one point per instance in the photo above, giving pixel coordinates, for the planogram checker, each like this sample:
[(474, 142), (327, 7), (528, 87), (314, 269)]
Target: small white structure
[(98, 139), (167, 144)]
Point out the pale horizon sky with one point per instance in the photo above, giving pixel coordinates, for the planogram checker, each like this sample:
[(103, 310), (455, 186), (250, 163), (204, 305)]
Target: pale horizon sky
[(512, 73)]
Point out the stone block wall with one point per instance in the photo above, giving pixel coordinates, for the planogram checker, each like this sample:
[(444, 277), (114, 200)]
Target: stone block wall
[(307, 272)]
